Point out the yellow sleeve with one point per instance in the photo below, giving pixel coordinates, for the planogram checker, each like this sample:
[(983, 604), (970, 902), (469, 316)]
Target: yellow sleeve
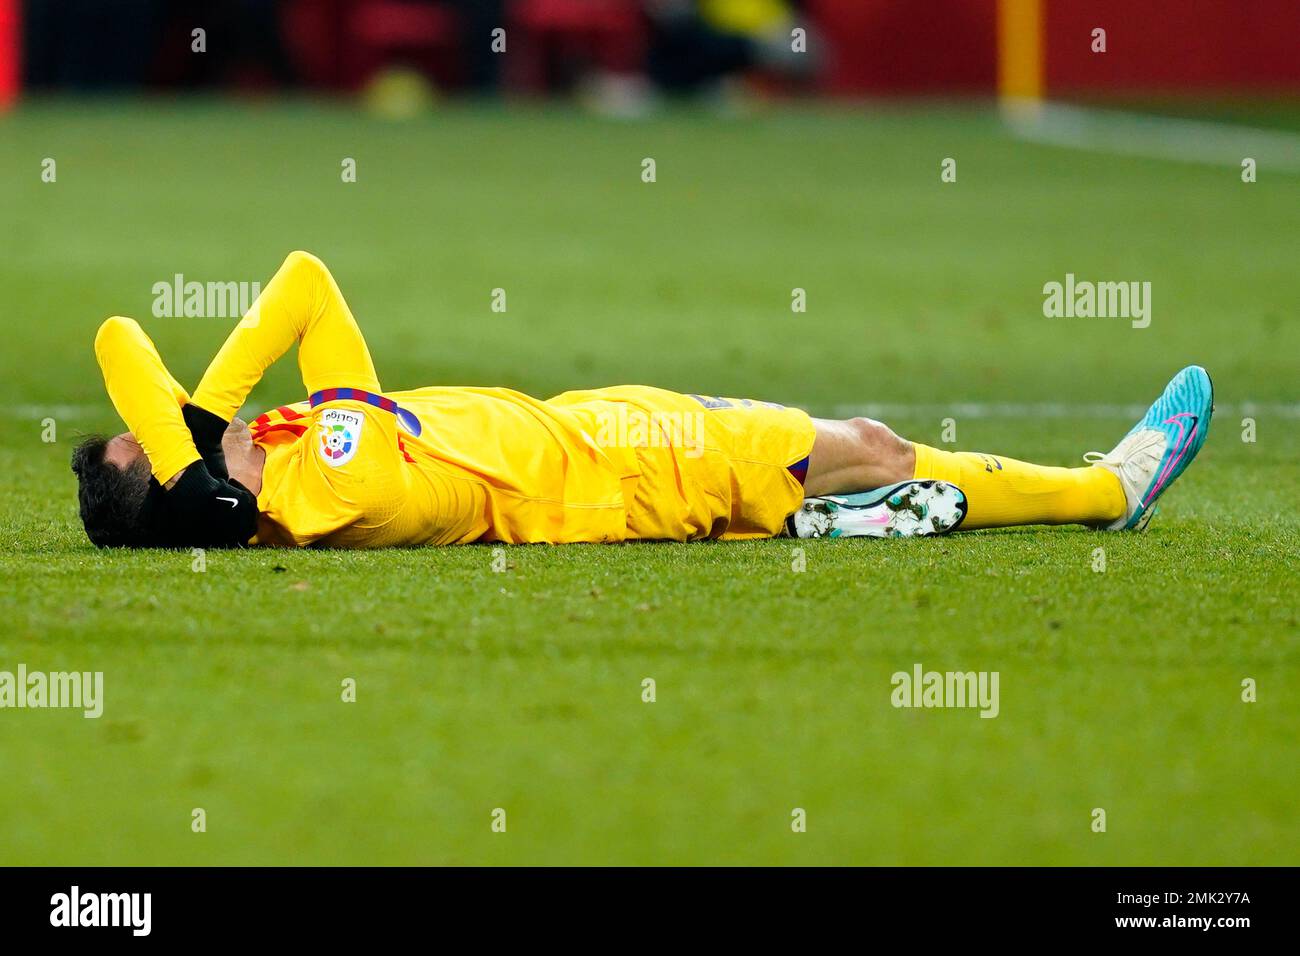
[(145, 395), (302, 304)]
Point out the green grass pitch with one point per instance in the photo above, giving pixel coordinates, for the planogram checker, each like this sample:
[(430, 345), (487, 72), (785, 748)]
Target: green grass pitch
[(522, 689)]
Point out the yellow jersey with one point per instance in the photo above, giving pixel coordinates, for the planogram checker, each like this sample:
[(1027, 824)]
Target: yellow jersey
[(460, 464)]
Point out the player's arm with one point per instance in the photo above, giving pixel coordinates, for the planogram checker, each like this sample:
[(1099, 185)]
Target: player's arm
[(146, 396), (301, 305), (201, 509)]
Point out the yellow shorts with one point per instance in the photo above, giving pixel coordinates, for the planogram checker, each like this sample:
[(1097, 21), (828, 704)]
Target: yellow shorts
[(697, 466)]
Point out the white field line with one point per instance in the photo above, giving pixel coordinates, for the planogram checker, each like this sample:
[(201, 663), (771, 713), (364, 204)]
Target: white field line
[(1159, 137), (60, 411), (971, 410), (879, 410)]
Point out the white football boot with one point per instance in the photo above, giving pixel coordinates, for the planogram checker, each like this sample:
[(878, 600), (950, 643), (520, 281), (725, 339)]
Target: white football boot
[(907, 509)]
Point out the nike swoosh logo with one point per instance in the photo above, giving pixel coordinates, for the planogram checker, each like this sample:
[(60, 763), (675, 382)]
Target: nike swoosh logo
[(1180, 449), (234, 502)]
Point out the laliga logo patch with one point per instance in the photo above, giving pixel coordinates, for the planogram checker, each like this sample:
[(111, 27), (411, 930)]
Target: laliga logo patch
[(340, 433)]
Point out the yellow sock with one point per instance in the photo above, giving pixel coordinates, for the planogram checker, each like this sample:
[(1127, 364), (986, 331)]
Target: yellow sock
[(1003, 491)]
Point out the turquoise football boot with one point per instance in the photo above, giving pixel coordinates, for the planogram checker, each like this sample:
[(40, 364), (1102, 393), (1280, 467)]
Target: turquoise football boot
[(1160, 447)]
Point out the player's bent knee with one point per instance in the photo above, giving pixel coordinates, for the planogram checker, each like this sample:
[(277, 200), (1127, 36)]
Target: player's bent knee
[(871, 435)]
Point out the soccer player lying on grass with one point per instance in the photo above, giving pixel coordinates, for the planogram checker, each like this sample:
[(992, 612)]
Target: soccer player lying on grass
[(355, 467)]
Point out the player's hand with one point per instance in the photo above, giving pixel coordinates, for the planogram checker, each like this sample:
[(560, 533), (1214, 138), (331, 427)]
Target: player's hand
[(207, 429), (207, 512)]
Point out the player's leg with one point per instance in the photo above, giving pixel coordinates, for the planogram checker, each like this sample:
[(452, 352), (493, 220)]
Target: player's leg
[(854, 456), (861, 482), (1116, 491)]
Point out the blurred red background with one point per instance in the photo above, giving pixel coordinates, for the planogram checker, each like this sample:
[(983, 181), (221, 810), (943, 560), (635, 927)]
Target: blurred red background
[(857, 47)]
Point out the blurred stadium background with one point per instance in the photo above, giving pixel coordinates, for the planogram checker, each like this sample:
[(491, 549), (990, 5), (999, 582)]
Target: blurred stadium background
[(776, 169), (855, 47)]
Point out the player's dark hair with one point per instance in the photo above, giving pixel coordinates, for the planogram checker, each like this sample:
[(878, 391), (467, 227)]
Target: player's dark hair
[(112, 499)]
